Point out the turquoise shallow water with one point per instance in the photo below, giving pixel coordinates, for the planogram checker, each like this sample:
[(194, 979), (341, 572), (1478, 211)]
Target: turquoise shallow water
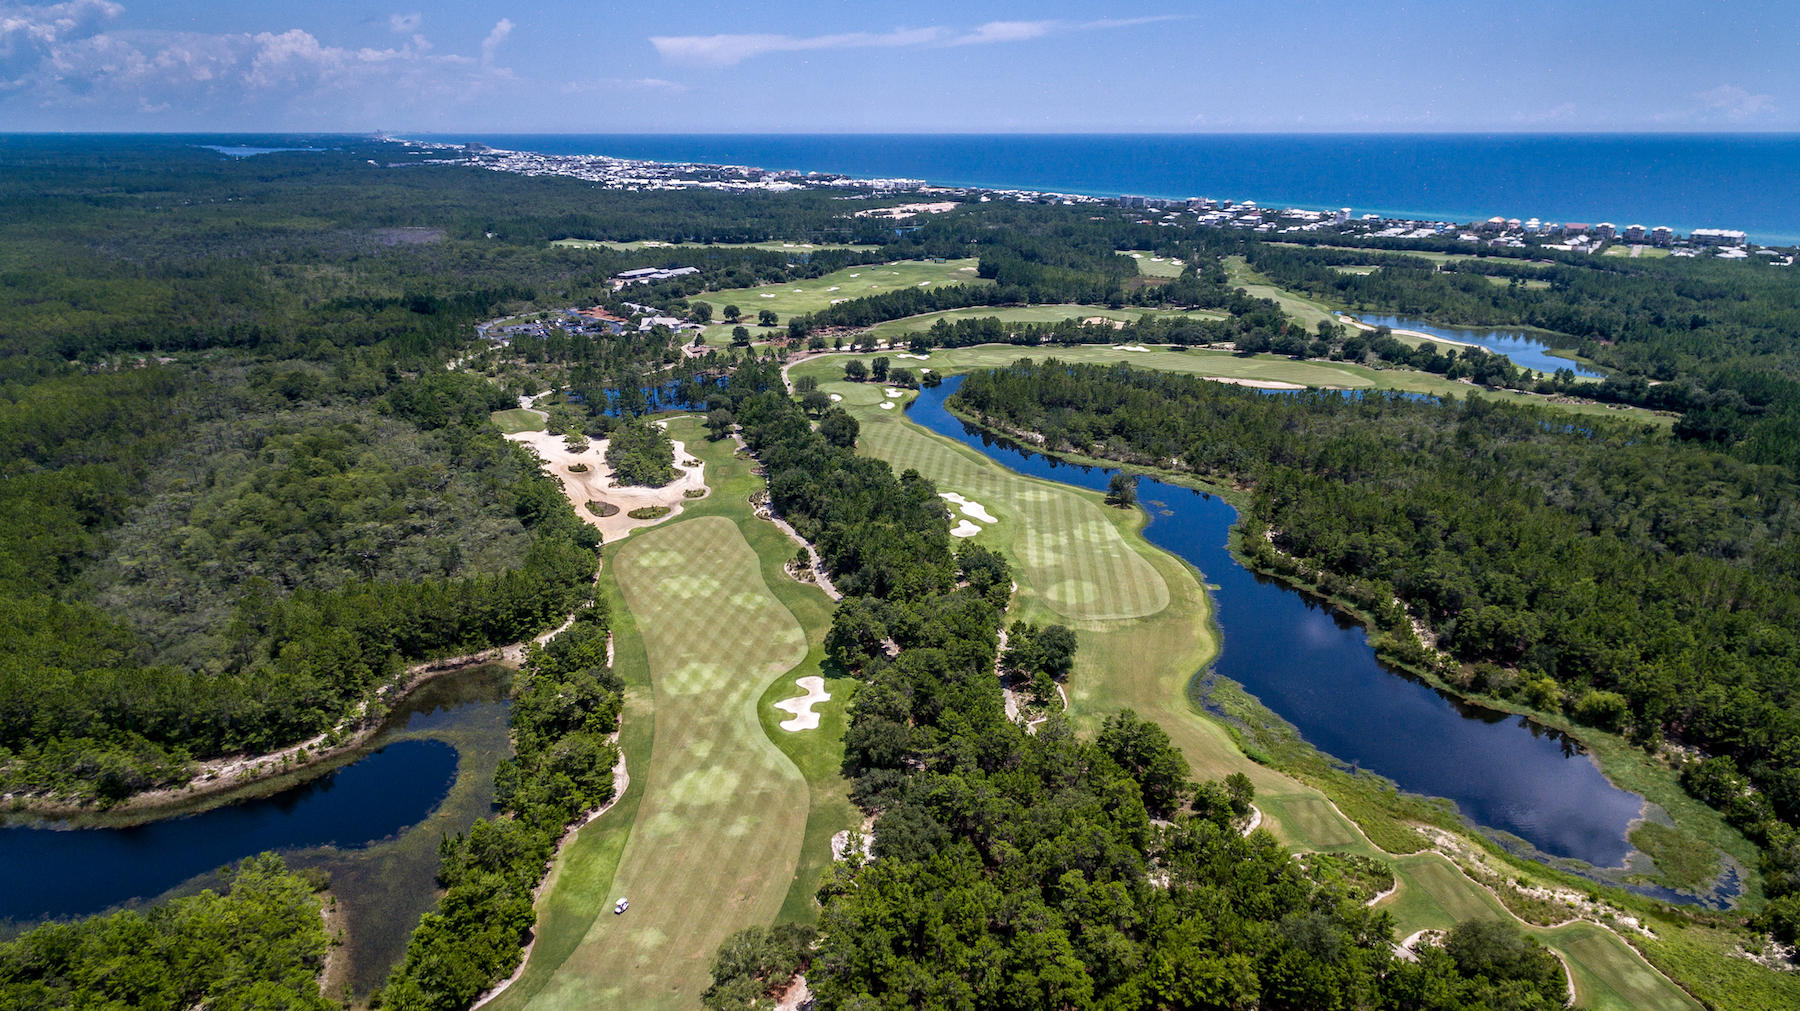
[(1685, 181)]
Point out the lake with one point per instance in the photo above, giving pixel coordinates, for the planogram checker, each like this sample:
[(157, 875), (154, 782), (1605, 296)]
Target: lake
[(1316, 669), (372, 823), (1525, 351)]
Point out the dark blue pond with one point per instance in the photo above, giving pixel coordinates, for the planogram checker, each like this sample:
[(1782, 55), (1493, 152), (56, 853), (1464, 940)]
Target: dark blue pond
[(1317, 671), (1525, 351), (50, 872)]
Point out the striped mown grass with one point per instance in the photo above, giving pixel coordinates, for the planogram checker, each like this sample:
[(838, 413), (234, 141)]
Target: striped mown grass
[(717, 833), (1069, 554)]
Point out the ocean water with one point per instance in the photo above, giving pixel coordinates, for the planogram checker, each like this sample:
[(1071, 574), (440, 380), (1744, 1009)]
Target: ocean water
[(1684, 181)]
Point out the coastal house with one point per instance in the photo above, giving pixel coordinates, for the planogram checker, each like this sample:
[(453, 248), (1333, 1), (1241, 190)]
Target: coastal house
[(1716, 237)]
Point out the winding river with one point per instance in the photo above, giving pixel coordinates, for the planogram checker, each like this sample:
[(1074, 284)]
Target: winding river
[(1317, 670)]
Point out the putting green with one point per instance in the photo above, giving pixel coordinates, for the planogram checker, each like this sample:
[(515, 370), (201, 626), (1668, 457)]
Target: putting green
[(518, 419), (717, 832), (1151, 265), (1069, 554)]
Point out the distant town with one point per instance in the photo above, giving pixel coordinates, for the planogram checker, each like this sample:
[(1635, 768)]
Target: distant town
[(1569, 236)]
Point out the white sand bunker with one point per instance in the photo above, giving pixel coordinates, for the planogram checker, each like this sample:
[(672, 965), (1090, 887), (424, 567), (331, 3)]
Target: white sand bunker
[(1260, 384), (965, 529), (836, 397), (966, 270), (920, 358), (890, 391), (802, 705), (832, 288), (887, 405), (765, 295), (835, 301), (923, 284), (969, 508), (1129, 347)]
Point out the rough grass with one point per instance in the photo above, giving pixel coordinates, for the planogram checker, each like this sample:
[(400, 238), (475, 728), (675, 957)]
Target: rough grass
[(1681, 860), (518, 419), (581, 877)]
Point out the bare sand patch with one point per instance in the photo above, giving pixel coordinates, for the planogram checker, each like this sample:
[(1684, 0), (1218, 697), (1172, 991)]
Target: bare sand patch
[(596, 483), (802, 705), (835, 397), (908, 354), (965, 529), (969, 507), (887, 405), (1260, 384), (890, 391)]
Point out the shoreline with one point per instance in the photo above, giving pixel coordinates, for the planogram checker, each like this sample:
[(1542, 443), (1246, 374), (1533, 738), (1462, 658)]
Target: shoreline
[(215, 780), (1094, 194)]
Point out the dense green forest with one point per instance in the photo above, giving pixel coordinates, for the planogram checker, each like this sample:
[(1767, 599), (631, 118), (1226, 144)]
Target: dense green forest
[(640, 454), (1644, 584), (203, 559)]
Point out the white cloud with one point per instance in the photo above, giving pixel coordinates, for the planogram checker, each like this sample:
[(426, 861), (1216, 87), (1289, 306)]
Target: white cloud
[(405, 24), (727, 49), (1736, 104), (491, 44), (618, 84), (66, 57), (1005, 31)]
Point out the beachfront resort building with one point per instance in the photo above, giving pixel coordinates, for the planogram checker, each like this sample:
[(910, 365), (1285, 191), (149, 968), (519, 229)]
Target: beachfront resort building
[(1662, 235), (1716, 237)]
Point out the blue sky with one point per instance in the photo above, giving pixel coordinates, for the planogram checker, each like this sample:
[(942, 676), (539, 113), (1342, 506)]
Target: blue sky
[(802, 66)]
